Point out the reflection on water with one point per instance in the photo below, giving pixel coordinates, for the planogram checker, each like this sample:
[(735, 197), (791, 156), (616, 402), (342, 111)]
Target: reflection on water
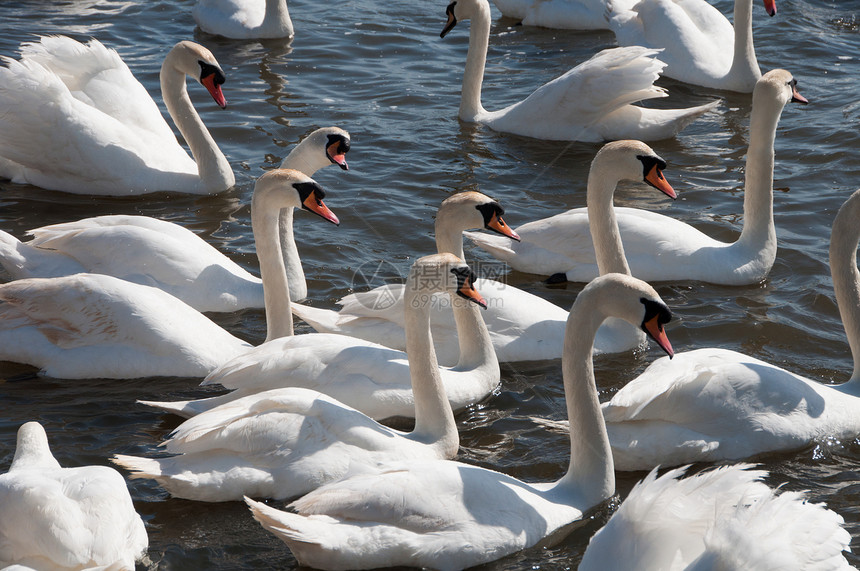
[(380, 71)]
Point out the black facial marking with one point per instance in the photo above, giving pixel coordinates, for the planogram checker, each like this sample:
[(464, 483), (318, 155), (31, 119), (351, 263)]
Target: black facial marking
[(305, 189), (452, 19), (341, 142), (465, 277), (207, 69), (652, 309), (648, 162), (488, 210)]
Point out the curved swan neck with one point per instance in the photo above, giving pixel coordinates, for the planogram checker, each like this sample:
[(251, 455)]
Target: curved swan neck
[(759, 233), (476, 347), (277, 17), (276, 293), (476, 59), (212, 166), (744, 62), (449, 239), (434, 418), (290, 252), (608, 247), (591, 473), (844, 241)]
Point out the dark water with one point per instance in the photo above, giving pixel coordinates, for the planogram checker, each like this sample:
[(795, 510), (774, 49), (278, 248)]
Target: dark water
[(379, 70)]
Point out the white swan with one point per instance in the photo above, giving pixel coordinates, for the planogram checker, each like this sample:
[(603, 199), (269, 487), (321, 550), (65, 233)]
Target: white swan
[(714, 404), (522, 326), (725, 518), (244, 19), (591, 102), (73, 118), (366, 376), (166, 255), (658, 247), (563, 14), (286, 442), (695, 38), (94, 325), (448, 515), (54, 518)]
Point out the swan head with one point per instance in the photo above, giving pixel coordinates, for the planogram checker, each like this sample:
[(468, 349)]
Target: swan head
[(288, 188), (631, 160), (194, 60), (470, 209), (462, 10), (777, 85), (441, 273), (631, 299), (323, 147)]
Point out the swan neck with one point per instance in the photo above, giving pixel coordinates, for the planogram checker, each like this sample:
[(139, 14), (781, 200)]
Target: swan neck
[(32, 449), (759, 234), (265, 221), (277, 14), (434, 418), (302, 159), (590, 474), (476, 59), (448, 238), (605, 235), (744, 62), (476, 347), (844, 241), (292, 261), (212, 166)]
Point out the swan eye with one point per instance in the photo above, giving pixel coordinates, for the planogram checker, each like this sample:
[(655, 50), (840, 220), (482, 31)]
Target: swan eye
[(465, 277), (305, 189), (341, 141), (490, 210), (656, 309)]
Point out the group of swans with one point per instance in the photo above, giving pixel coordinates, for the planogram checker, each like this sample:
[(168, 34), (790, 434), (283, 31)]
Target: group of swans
[(283, 443), (98, 326), (56, 518), (443, 514), (692, 34), (522, 326), (591, 103), (659, 247), (74, 118), (163, 254)]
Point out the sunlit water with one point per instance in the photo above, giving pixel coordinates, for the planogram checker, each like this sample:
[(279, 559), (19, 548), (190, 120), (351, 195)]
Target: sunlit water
[(380, 70)]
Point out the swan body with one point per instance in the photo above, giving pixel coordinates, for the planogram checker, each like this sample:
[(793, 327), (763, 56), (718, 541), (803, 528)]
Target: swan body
[(726, 518), (590, 103), (695, 38), (373, 379), (163, 254), (659, 247), (448, 515), (244, 19), (54, 518), (713, 404), (522, 326), (73, 118), (563, 14), (95, 325), (286, 442)]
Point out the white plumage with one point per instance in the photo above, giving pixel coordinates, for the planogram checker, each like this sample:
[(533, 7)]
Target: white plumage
[(244, 19)]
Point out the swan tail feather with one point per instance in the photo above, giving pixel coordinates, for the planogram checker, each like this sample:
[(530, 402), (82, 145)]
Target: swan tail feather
[(280, 523), (322, 320), (188, 408), (139, 467)]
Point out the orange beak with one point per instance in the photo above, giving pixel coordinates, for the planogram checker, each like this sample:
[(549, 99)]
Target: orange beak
[(337, 158), (318, 207), (656, 179), (214, 90), (469, 292), (655, 330), (498, 225), (770, 6), (797, 97)]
